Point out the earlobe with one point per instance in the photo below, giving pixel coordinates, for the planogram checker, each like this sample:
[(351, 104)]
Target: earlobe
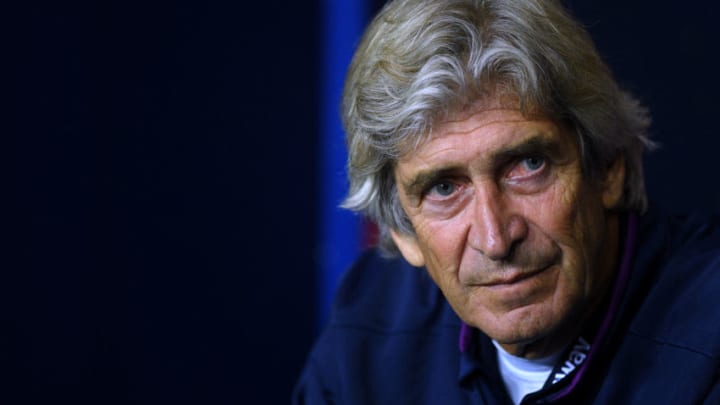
[(409, 248), (614, 184)]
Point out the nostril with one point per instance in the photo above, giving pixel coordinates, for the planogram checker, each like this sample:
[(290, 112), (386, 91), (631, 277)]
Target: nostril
[(491, 240), (517, 228)]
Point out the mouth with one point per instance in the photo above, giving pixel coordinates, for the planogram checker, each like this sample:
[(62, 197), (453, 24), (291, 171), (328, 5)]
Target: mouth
[(514, 277)]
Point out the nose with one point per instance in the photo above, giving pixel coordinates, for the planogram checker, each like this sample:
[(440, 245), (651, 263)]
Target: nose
[(495, 229)]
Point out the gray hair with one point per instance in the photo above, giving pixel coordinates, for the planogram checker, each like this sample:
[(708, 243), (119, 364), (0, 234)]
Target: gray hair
[(421, 60)]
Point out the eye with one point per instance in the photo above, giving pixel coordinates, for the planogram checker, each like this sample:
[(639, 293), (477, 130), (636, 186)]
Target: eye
[(533, 163), (527, 168), (443, 189)]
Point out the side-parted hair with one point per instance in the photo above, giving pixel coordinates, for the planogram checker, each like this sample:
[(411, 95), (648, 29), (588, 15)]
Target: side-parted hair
[(422, 60)]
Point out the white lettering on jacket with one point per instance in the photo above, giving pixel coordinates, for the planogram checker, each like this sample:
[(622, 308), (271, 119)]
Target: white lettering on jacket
[(577, 356)]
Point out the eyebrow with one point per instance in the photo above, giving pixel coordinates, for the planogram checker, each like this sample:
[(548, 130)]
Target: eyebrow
[(424, 179), (534, 145)]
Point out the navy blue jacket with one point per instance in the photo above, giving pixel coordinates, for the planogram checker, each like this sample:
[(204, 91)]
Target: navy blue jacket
[(393, 338)]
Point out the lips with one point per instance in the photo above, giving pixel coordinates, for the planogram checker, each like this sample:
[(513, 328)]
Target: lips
[(513, 277)]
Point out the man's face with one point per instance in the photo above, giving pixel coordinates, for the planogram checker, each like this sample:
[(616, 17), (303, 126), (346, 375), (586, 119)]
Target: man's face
[(520, 243)]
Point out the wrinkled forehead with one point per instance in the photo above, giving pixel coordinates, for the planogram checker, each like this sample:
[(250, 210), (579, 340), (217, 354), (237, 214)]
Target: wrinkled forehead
[(482, 112)]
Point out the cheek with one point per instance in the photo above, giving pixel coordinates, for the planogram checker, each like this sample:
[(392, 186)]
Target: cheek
[(578, 228), (439, 242), (442, 244), (561, 216), (554, 215)]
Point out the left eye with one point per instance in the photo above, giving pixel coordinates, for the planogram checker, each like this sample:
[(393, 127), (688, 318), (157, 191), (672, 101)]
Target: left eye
[(533, 163), (527, 168)]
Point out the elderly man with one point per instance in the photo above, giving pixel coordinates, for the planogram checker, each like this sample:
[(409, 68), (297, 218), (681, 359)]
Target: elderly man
[(502, 162)]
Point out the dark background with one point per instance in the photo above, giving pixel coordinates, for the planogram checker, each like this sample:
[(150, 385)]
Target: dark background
[(161, 225)]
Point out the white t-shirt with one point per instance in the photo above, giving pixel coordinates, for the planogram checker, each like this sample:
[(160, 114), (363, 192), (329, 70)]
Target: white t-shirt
[(523, 376)]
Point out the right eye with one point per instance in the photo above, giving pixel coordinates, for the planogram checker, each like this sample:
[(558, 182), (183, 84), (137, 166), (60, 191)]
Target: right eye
[(442, 189)]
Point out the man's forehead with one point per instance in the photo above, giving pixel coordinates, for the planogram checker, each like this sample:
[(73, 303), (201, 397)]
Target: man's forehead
[(490, 108), (469, 121), (491, 128)]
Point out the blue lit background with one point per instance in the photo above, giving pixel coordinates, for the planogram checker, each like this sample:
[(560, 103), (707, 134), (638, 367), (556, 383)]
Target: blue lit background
[(340, 230)]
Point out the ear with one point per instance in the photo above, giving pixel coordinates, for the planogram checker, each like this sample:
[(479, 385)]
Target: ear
[(614, 183), (409, 248)]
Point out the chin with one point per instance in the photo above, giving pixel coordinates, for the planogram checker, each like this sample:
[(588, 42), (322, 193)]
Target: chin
[(522, 325)]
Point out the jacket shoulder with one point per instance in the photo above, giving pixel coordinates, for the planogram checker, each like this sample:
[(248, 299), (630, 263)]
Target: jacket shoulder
[(387, 293), (670, 351), (682, 261), (390, 327)]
